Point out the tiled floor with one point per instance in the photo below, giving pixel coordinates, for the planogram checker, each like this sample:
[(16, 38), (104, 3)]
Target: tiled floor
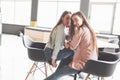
[(15, 64)]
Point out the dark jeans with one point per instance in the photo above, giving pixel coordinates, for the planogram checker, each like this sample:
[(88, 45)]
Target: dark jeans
[(63, 54), (62, 70)]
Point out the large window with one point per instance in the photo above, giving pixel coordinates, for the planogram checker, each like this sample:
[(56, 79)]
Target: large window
[(0, 21), (116, 28), (102, 17), (105, 16), (7, 10), (16, 11), (49, 11)]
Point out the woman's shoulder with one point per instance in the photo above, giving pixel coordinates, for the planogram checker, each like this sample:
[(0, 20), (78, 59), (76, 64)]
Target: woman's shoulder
[(60, 27), (85, 28)]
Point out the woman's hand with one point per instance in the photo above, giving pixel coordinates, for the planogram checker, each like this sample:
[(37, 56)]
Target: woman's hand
[(45, 47), (76, 66), (54, 64), (67, 44)]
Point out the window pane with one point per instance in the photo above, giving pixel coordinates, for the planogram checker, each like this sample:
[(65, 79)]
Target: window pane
[(47, 0), (0, 20), (69, 0), (118, 0), (7, 10), (22, 12), (69, 6), (47, 14), (101, 17), (57, 0), (0, 3), (116, 28), (16, 11), (103, 0)]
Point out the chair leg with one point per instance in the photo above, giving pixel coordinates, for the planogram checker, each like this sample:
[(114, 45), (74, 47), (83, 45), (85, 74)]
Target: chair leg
[(46, 73), (35, 66), (30, 71), (102, 78), (75, 76), (87, 77), (45, 69), (51, 69), (98, 78)]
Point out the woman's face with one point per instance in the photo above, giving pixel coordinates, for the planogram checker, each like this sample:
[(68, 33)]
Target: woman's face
[(77, 21), (67, 20)]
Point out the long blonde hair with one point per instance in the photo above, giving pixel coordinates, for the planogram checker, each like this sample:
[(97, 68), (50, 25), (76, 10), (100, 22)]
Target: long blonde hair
[(58, 23), (85, 22)]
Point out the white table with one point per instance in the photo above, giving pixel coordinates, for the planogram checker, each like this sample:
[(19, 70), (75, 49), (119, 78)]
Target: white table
[(103, 44)]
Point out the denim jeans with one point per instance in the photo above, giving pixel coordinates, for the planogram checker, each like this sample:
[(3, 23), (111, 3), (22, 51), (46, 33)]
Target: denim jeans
[(62, 70), (63, 54)]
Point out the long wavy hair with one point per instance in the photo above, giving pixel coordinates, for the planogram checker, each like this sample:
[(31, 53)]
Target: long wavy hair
[(58, 23), (85, 22)]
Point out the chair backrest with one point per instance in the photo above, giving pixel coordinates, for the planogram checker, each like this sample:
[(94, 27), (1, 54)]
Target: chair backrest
[(102, 67), (118, 55), (27, 41), (35, 49), (119, 42), (110, 56)]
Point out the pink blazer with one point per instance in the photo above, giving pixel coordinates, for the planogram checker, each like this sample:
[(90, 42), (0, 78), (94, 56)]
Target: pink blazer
[(82, 44)]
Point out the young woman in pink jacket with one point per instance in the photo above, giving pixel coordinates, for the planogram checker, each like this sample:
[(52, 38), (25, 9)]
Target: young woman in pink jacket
[(83, 42)]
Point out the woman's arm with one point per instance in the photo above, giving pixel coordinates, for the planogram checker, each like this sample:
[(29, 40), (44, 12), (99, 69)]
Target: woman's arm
[(76, 40), (59, 40), (83, 51)]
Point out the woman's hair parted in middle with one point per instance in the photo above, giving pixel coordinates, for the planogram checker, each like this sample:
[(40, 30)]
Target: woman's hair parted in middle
[(85, 22)]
